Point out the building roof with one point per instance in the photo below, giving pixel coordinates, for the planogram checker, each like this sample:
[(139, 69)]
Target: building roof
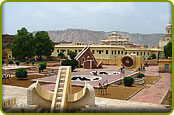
[(110, 46)]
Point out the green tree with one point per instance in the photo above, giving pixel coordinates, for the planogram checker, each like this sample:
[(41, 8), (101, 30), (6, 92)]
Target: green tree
[(23, 45), (73, 63), (61, 55), (72, 54), (168, 50), (44, 46), (153, 56)]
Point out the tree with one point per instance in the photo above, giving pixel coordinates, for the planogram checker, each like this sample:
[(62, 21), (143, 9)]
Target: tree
[(168, 50), (73, 63), (61, 55), (23, 45), (44, 46), (153, 56), (72, 54)]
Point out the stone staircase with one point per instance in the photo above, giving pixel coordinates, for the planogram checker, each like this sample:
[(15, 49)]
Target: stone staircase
[(61, 90)]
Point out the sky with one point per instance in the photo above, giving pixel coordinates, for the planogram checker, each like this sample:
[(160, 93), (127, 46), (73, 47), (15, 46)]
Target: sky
[(132, 17)]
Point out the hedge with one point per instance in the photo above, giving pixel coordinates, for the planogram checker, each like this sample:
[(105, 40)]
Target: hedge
[(140, 75), (42, 65), (28, 61), (21, 73), (10, 62), (33, 62), (128, 81), (17, 62)]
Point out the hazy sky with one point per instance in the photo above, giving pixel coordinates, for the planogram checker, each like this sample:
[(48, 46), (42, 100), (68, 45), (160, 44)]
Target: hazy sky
[(130, 17)]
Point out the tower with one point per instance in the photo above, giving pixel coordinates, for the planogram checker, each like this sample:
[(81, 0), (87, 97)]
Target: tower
[(167, 37)]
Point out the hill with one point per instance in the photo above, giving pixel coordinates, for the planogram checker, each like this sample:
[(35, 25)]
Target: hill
[(95, 37)]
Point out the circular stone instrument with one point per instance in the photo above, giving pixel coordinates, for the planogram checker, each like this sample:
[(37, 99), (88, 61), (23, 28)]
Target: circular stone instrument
[(127, 61)]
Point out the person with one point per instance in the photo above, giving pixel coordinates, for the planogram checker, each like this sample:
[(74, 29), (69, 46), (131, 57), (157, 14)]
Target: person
[(123, 71), (39, 68)]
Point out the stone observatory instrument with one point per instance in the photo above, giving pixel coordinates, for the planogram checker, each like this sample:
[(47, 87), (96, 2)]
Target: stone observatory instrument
[(127, 61)]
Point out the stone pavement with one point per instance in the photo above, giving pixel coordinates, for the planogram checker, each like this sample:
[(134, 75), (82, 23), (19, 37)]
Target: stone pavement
[(157, 91), (121, 106), (110, 78), (12, 91), (105, 104)]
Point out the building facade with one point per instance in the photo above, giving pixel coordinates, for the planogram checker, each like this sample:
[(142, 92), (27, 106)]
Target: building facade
[(109, 53), (7, 41), (167, 36), (115, 39)]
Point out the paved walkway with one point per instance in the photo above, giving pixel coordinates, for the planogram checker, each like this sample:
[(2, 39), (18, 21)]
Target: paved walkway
[(121, 106), (157, 91), (102, 104)]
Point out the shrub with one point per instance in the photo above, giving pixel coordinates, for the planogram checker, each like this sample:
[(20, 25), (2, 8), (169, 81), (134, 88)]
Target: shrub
[(10, 62), (43, 65), (17, 62), (3, 61), (128, 81), (21, 73), (140, 75), (33, 62), (153, 56), (73, 63), (28, 61), (61, 55)]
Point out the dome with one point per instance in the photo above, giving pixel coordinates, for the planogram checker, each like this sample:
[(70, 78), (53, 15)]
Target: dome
[(169, 25), (113, 33)]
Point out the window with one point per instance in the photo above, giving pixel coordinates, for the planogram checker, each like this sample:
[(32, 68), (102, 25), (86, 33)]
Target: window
[(125, 53), (137, 53), (99, 51), (148, 53), (141, 53), (57, 51), (67, 50), (121, 52), (106, 51), (93, 51), (118, 52), (112, 51), (102, 51), (168, 31), (115, 52), (76, 51), (63, 51), (144, 53)]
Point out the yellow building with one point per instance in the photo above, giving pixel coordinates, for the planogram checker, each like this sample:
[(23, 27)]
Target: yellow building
[(109, 53), (165, 65), (115, 39)]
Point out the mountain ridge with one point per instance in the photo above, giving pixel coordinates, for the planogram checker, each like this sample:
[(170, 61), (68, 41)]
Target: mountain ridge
[(95, 37)]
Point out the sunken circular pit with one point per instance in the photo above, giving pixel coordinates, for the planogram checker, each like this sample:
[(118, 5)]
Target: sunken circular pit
[(84, 78)]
